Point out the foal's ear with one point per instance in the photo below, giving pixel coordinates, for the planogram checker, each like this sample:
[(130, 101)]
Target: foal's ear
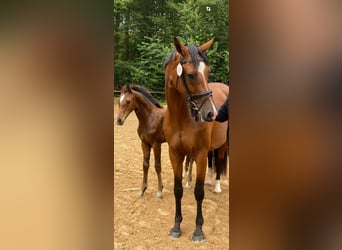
[(119, 87), (179, 46), (206, 45)]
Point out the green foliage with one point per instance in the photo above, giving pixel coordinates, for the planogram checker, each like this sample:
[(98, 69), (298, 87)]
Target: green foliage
[(144, 31), (149, 71)]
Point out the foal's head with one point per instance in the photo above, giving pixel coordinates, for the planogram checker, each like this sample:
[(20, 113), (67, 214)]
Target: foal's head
[(187, 70), (126, 104)]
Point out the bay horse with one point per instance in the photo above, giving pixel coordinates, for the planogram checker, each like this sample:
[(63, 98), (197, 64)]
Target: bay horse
[(136, 97), (218, 154), (188, 121), (150, 115)]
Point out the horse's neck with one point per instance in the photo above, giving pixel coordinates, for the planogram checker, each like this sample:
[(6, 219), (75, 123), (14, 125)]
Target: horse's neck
[(143, 108), (177, 105)]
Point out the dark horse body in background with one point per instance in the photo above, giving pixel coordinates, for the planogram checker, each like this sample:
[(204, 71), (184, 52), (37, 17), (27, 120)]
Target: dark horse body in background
[(187, 123), (150, 115), (219, 149)]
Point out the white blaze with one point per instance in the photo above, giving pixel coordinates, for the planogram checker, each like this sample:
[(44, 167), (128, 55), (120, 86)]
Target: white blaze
[(122, 98), (214, 108), (201, 67)]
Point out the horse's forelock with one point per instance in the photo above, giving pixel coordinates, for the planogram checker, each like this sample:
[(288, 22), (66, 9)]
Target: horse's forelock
[(194, 52), (125, 89)]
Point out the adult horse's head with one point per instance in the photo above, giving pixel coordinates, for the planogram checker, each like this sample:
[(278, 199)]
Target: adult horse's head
[(187, 71), (126, 104)]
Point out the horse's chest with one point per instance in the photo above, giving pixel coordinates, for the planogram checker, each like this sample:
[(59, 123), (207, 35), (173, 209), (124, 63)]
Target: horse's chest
[(186, 140), (148, 134)]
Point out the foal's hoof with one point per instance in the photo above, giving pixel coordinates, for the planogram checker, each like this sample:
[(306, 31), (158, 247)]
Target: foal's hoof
[(174, 235), (140, 194), (159, 195), (208, 182)]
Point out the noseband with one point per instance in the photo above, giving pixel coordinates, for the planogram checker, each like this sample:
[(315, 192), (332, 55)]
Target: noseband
[(191, 98)]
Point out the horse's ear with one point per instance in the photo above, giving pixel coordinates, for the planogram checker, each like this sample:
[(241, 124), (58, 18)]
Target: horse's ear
[(179, 46), (119, 87), (206, 45), (128, 88)]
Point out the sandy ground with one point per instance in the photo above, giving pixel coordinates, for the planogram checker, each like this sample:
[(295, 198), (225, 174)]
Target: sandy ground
[(144, 222)]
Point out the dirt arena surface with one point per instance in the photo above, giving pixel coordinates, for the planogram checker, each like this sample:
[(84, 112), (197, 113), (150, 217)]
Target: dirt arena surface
[(144, 222)]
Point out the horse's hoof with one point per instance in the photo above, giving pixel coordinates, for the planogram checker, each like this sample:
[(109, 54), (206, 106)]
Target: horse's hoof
[(208, 183), (174, 235), (198, 238), (140, 194), (159, 195), (217, 190), (217, 187)]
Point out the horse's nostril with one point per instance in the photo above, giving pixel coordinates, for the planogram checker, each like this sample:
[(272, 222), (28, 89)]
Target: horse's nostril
[(210, 114)]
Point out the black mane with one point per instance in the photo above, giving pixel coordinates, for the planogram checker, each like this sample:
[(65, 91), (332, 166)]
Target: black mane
[(169, 58), (142, 90), (194, 52)]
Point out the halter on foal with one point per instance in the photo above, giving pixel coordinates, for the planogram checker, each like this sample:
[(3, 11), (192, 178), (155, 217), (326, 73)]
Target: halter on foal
[(189, 101)]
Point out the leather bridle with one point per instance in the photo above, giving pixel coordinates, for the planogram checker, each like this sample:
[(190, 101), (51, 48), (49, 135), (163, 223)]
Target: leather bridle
[(191, 99)]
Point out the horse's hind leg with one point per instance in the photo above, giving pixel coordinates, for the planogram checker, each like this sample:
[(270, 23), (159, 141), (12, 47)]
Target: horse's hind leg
[(218, 165), (210, 168), (157, 165), (146, 163), (220, 155)]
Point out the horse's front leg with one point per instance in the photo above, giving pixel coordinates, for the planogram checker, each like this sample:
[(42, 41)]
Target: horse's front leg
[(146, 163), (157, 166), (201, 163), (177, 165)]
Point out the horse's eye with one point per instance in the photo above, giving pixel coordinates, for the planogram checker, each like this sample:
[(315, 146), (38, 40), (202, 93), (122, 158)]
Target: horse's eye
[(128, 102), (191, 76)]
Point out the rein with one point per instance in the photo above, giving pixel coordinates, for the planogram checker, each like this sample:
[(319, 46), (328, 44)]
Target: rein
[(191, 98)]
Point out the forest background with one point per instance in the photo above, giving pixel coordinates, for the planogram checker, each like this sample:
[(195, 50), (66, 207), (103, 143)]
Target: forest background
[(144, 32)]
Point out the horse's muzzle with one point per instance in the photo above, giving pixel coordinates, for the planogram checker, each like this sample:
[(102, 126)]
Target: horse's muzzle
[(210, 117), (208, 112), (120, 121)]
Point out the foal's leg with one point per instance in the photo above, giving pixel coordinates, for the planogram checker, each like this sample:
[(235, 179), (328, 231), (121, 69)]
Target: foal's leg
[(146, 163), (186, 166), (189, 176), (201, 163), (177, 165), (210, 168), (157, 166)]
